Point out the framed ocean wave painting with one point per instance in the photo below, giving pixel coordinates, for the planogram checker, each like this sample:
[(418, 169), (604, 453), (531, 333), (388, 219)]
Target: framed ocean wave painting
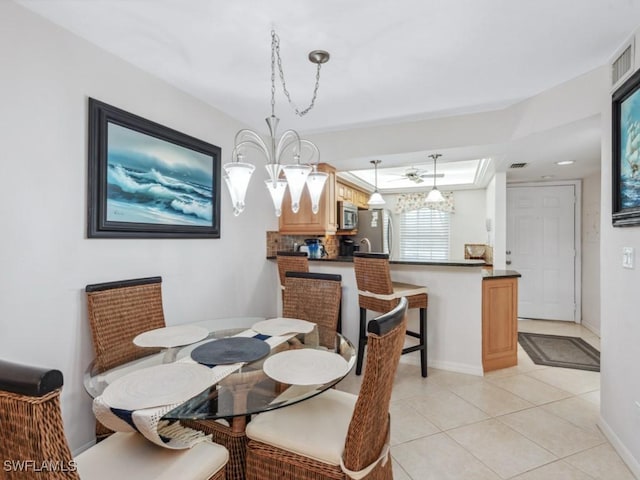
[(626, 153), (149, 181)]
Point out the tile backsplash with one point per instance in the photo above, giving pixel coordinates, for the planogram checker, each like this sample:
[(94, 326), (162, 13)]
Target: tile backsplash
[(279, 242)]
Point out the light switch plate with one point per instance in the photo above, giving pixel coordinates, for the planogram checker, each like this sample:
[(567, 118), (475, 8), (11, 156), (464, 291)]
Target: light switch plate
[(628, 257)]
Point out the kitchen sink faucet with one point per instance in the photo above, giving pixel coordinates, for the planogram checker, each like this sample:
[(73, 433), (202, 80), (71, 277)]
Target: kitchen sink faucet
[(367, 243)]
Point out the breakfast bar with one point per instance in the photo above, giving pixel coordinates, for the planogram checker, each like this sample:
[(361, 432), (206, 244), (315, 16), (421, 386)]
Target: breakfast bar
[(455, 312)]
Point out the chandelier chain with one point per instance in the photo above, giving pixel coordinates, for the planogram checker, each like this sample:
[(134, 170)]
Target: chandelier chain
[(275, 53)]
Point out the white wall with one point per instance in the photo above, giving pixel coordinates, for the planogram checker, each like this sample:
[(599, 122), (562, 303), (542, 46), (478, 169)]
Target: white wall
[(498, 187), (591, 252), (620, 320), (468, 222), (47, 75)]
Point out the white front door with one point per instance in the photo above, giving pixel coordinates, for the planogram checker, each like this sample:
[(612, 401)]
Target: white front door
[(541, 246)]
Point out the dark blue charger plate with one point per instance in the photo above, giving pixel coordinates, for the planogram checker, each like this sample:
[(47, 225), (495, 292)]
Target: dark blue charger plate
[(230, 350)]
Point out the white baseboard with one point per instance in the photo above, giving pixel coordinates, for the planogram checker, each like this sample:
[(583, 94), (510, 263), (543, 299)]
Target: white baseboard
[(82, 448), (592, 328), (458, 367), (620, 448)]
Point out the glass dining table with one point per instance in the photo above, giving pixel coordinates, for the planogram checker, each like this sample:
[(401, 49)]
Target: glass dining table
[(248, 389)]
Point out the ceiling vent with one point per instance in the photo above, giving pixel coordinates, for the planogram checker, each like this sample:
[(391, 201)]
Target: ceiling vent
[(518, 165), (622, 65)]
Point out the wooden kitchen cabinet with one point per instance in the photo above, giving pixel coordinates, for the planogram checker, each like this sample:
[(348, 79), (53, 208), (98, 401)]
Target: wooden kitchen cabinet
[(499, 322), (305, 222), (348, 193)]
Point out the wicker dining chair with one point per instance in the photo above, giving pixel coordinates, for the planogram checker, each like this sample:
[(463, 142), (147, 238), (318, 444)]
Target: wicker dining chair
[(33, 439), (334, 434), (118, 312), (290, 262), (315, 297), (377, 292)]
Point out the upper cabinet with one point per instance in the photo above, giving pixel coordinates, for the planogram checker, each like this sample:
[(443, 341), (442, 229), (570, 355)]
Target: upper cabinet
[(305, 222), (349, 193)]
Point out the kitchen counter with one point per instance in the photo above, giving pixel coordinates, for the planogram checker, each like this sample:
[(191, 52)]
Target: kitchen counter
[(489, 274), (470, 315), (455, 289), (440, 263)]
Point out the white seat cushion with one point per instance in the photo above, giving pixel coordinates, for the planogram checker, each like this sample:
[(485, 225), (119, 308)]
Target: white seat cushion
[(407, 289), (316, 428), (129, 455), (399, 290)]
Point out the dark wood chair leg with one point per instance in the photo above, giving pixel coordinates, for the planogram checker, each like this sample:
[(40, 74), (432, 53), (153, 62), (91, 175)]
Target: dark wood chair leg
[(423, 341), (362, 340), (339, 325)]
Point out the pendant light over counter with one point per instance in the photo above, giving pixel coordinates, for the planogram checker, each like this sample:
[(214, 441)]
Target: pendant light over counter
[(435, 195), (376, 199)]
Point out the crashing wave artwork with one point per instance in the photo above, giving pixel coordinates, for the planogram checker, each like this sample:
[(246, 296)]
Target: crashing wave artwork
[(153, 181)]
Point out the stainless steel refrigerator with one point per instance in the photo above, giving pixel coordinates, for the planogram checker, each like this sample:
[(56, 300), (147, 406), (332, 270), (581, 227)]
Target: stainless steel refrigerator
[(375, 226)]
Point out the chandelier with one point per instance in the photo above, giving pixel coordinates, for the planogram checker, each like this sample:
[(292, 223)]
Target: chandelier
[(303, 156), (435, 195)]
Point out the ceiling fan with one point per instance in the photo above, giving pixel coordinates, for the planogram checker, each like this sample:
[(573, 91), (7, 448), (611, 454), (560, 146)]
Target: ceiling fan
[(417, 175)]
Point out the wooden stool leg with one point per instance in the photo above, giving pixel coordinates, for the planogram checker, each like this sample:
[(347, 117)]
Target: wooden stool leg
[(423, 341), (362, 340), (339, 325)]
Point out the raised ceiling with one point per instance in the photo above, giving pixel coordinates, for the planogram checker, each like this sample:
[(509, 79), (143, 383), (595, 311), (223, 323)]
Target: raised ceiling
[(390, 61)]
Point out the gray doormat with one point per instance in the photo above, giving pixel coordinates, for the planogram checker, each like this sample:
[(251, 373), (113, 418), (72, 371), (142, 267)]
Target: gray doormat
[(559, 351)]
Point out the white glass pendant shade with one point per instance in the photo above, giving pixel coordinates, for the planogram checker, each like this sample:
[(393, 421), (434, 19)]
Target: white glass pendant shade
[(237, 179), (296, 178), (315, 184), (376, 200), (277, 189), (435, 196), (232, 194)]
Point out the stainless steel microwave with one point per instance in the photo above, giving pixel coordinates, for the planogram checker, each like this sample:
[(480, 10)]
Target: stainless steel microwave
[(347, 216)]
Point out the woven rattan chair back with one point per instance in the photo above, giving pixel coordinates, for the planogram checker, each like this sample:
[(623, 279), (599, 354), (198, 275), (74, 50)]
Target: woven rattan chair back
[(314, 297), (291, 262), (31, 424), (373, 275), (369, 427), (118, 312)]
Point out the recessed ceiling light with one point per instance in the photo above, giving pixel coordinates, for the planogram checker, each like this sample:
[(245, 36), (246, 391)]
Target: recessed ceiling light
[(565, 162), (547, 177)]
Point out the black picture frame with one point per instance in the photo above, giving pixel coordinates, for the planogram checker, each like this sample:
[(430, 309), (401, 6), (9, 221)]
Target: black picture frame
[(149, 181), (625, 156)]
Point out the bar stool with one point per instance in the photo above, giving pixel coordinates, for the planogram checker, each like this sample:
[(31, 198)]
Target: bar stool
[(378, 293), (290, 262)]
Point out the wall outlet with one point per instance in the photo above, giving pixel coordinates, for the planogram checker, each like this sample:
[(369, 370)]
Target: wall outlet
[(628, 257)]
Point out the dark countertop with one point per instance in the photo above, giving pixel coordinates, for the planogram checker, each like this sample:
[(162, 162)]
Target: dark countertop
[(440, 263), (491, 274)]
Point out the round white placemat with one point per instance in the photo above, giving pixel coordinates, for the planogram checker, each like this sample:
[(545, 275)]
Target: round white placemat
[(175, 336), (282, 326), (305, 366), (157, 386)]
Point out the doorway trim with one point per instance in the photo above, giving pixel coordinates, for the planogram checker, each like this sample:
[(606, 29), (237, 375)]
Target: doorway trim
[(577, 235)]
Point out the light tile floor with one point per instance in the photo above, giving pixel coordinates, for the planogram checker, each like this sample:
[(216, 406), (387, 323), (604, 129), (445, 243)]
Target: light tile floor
[(528, 422)]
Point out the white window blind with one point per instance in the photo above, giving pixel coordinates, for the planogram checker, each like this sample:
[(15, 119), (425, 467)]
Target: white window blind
[(424, 235)]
